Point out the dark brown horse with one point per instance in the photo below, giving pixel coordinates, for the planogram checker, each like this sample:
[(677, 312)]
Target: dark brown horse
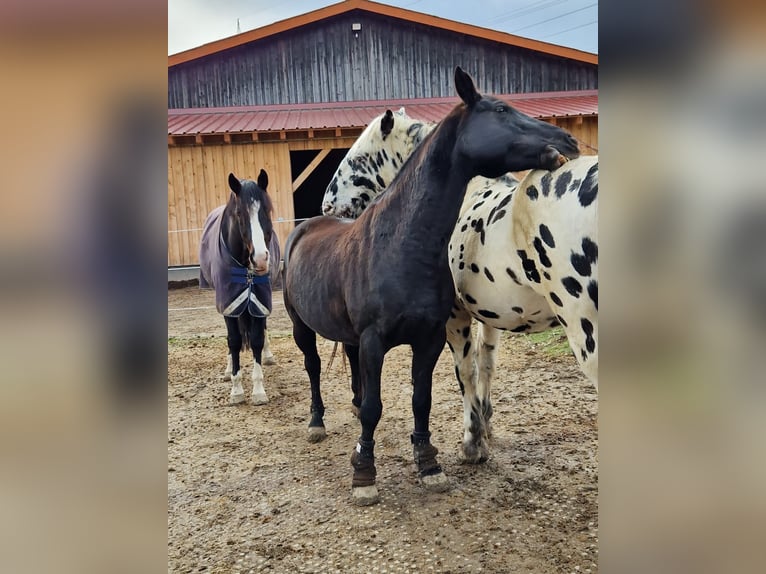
[(383, 280)]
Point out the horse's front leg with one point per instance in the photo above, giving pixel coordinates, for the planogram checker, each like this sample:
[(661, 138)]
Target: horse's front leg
[(352, 353), (371, 353), (257, 339), (461, 343), (234, 340), (425, 354)]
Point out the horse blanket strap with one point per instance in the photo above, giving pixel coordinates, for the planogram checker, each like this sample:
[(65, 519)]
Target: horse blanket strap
[(236, 289)]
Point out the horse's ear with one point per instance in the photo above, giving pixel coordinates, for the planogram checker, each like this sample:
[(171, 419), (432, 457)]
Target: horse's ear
[(234, 184), (465, 88), (263, 180), (387, 123)]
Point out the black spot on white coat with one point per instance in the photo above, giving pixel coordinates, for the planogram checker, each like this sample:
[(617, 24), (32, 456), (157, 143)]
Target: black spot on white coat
[(572, 286), (547, 236), (587, 328)]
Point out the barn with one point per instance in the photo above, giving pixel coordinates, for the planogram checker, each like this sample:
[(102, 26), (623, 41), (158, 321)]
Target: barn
[(292, 97)]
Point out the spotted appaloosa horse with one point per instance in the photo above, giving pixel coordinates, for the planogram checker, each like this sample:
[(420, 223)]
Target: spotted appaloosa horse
[(520, 261), (235, 260), (383, 280)]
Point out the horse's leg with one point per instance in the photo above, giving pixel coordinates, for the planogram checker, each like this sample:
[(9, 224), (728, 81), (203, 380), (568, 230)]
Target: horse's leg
[(489, 337), (306, 339), (352, 353), (227, 371), (257, 338), (371, 353), (268, 357), (425, 354), (460, 341), (234, 339)]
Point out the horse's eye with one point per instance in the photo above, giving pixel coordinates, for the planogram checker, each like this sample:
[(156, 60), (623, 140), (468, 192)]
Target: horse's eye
[(501, 109)]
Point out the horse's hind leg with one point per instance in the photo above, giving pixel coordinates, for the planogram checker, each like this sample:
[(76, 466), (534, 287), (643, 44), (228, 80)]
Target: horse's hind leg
[(257, 338), (268, 357), (489, 337), (425, 354), (234, 340), (306, 339), (352, 353), (461, 343)]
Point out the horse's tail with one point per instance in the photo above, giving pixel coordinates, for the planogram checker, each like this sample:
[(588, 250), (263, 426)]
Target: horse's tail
[(332, 356), (245, 322)]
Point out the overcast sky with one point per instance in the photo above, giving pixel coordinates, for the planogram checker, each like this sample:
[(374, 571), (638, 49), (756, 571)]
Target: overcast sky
[(572, 23)]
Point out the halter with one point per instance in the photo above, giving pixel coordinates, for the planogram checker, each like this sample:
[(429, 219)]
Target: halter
[(240, 273)]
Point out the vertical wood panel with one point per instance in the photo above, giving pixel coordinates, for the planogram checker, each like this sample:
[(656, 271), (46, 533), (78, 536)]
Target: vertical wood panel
[(181, 211), (173, 254), (390, 59)]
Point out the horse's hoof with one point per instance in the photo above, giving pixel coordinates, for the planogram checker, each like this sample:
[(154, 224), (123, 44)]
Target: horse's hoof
[(435, 482), (260, 399), (226, 377), (317, 434), (236, 399), (365, 495), (475, 454), (270, 360)]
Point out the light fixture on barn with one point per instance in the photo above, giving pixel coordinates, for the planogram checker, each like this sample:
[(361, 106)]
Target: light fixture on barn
[(356, 26)]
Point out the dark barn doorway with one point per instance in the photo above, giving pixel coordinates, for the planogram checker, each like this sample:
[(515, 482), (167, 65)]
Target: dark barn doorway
[(307, 198)]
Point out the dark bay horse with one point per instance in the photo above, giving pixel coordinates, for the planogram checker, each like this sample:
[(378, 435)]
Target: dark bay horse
[(235, 260), (383, 280)]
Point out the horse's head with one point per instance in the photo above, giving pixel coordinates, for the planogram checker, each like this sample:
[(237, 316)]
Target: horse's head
[(498, 138), (372, 162), (250, 207)]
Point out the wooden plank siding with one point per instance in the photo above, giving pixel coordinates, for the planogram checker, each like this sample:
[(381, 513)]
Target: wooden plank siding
[(387, 59), (197, 183)]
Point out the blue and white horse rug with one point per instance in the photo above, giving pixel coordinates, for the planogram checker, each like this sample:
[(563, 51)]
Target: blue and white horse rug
[(239, 258)]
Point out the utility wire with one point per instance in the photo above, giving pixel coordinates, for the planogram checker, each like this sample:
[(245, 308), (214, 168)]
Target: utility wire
[(555, 17)]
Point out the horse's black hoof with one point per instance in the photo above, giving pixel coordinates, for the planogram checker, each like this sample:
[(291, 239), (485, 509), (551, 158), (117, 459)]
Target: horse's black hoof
[(317, 434)]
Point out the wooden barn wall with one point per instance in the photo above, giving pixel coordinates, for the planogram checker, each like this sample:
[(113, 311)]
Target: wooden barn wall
[(390, 59), (197, 183), (585, 130)]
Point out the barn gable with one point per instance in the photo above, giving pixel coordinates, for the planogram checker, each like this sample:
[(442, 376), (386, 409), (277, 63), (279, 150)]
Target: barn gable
[(359, 50)]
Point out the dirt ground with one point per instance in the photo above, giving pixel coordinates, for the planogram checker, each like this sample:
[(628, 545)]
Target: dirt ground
[(247, 492)]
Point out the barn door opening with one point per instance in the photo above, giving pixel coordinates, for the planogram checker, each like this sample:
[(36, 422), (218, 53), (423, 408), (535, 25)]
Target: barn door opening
[(312, 171)]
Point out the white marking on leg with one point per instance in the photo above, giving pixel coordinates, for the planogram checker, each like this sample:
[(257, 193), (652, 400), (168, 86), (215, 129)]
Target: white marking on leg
[(237, 392), (268, 357), (259, 393)]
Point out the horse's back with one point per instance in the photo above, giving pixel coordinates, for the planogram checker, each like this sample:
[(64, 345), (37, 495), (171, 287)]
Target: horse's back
[(208, 245)]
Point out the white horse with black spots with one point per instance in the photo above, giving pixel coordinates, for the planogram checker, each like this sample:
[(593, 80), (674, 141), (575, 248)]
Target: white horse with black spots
[(523, 257)]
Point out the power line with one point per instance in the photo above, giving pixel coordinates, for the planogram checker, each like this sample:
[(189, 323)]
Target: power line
[(556, 17), (573, 28), (534, 7)]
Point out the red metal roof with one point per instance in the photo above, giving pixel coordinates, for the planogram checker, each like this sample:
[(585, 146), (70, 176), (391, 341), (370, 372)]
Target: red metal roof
[(192, 121)]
